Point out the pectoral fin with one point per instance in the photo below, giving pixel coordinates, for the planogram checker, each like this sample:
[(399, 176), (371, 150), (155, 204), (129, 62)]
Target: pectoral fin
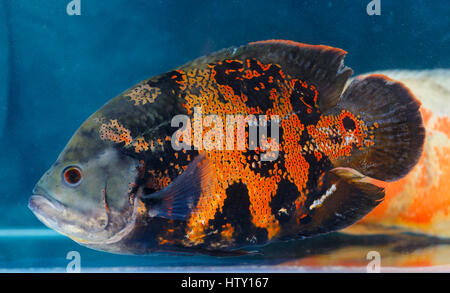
[(179, 199)]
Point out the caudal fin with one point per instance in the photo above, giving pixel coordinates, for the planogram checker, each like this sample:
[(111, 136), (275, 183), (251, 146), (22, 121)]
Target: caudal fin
[(398, 133)]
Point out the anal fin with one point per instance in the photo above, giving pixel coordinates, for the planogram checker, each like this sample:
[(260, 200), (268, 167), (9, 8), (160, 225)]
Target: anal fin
[(346, 196)]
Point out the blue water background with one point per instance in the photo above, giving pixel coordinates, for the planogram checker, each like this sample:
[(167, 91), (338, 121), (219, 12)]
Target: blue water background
[(56, 70)]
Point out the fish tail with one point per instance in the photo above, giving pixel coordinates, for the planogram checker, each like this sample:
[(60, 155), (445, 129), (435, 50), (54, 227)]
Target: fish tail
[(391, 112)]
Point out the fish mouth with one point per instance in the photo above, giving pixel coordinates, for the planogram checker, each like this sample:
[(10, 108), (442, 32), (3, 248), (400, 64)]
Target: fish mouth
[(82, 227), (40, 204), (44, 207), (87, 229), (54, 214)]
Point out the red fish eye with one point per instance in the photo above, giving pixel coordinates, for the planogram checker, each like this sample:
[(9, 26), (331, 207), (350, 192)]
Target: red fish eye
[(72, 175)]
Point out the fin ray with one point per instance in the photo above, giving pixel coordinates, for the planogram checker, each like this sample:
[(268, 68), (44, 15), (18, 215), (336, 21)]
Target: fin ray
[(178, 200)]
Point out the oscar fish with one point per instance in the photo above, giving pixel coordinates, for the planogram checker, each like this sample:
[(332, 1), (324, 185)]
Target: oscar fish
[(121, 186)]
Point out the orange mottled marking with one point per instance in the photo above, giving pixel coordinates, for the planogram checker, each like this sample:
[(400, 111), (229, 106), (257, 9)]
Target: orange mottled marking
[(201, 90), (158, 180), (143, 94), (140, 145), (332, 125), (115, 132), (434, 198), (141, 209), (227, 232)]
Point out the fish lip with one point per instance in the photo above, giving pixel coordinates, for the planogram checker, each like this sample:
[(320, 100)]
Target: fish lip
[(40, 196), (37, 201), (47, 210)]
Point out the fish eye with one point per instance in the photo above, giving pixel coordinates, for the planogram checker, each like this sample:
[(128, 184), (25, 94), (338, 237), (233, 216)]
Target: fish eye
[(72, 176)]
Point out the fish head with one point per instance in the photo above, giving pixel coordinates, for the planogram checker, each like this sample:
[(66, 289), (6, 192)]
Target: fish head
[(86, 194)]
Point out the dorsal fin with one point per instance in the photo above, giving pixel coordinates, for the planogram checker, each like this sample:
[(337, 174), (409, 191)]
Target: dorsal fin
[(316, 64)]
